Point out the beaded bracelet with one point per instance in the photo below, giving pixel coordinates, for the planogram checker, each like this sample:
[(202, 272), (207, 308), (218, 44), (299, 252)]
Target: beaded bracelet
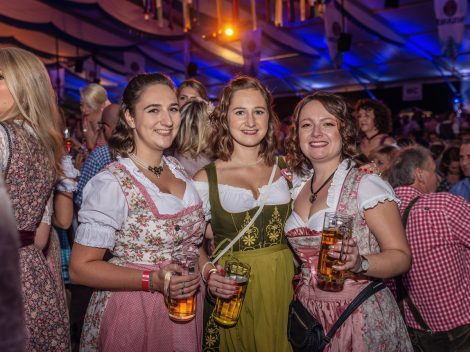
[(205, 278), (145, 280)]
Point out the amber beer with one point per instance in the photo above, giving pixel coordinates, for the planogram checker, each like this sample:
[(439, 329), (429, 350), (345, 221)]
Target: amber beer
[(335, 228), (227, 311), (182, 310)]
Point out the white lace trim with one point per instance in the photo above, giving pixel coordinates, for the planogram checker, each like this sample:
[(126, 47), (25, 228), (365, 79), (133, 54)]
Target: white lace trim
[(372, 203), (95, 235), (334, 191)]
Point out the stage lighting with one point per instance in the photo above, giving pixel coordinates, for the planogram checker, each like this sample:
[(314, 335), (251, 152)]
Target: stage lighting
[(229, 31)]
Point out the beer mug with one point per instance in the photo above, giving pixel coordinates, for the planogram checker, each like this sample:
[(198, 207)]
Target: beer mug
[(184, 309), (227, 311), (336, 227)]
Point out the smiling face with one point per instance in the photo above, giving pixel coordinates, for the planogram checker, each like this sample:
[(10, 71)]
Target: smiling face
[(319, 136), (366, 120), (156, 119), (248, 117), (6, 99), (186, 94)]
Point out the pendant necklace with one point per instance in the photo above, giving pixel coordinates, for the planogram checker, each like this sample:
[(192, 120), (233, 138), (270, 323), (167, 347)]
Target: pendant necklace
[(313, 197), (156, 170)]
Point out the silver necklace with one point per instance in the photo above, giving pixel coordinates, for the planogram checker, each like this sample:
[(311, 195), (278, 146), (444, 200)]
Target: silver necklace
[(156, 170)]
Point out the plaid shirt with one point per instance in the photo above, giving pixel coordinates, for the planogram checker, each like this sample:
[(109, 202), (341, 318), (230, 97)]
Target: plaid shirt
[(96, 161), (438, 231)]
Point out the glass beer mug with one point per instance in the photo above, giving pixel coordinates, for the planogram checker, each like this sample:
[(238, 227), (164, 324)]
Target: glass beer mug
[(227, 311), (182, 310), (336, 228)]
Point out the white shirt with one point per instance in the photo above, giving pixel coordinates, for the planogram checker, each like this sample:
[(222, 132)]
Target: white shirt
[(372, 190), (237, 199), (104, 208)]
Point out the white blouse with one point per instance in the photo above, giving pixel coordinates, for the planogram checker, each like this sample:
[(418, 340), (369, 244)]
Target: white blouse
[(104, 207), (236, 199), (372, 190)]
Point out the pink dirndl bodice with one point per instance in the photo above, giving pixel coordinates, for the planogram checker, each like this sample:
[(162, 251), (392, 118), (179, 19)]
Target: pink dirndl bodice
[(138, 320), (377, 324)]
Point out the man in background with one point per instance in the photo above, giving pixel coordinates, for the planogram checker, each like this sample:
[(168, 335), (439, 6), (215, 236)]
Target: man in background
[(438, 232), (99, 157)]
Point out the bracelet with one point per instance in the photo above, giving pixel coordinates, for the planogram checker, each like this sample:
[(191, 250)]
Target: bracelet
[(145, 280), (213, 270), (204, 278), (151, 288)]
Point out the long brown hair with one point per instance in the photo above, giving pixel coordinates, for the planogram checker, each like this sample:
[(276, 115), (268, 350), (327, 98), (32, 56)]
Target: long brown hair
[(28, 81), (122, 141), (221, 140), (336, 106)]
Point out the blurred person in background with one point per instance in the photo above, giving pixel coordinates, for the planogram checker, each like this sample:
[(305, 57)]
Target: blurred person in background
[(449, 169), (383, 158), (93, 99), (192, 147), (462, 188), (189, 89), (375, 122)]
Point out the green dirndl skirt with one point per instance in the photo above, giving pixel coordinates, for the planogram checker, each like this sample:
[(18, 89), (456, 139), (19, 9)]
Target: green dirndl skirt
[(262, 325)]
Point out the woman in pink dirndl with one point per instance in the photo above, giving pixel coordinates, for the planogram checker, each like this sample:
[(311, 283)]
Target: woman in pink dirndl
[(144, 209), (321, 153)]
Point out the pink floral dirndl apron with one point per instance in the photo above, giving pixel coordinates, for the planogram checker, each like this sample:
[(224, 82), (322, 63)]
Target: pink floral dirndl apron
[(377, 324), (138, 320)]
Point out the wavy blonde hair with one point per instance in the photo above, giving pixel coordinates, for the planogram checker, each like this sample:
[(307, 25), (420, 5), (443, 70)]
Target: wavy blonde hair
[(192, 137), (220, 138), (95, 95), (35, 101)]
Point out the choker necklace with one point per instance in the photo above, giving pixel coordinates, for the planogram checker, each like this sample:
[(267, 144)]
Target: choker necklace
[(156, 170), (313, 197), (371, 138)]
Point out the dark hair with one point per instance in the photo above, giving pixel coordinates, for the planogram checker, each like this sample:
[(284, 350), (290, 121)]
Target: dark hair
[(195, 84), (383, 115), (122, 140), (337, 107), (221, 139), (403, 168), (448, 156)]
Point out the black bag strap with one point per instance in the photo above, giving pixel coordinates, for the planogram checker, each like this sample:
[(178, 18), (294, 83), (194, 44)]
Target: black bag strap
[(402, 292), (372, 288)]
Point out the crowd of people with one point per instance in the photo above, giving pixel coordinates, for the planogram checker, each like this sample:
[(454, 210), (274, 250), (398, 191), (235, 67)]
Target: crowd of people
[(91, 224)]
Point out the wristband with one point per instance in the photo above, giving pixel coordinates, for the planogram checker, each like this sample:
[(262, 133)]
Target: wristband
[(213, 270), (145, 280)]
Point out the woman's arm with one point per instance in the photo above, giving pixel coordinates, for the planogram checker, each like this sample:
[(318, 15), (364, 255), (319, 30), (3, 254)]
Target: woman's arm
[(395, 257), (63, 210), (88, 268)]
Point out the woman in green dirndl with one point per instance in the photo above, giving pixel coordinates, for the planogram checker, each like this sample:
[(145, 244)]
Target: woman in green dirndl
[(245, 175)]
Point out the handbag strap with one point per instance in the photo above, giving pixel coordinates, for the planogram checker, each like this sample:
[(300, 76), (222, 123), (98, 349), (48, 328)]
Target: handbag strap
[(253, 219), (402, 292), (372, 288)]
